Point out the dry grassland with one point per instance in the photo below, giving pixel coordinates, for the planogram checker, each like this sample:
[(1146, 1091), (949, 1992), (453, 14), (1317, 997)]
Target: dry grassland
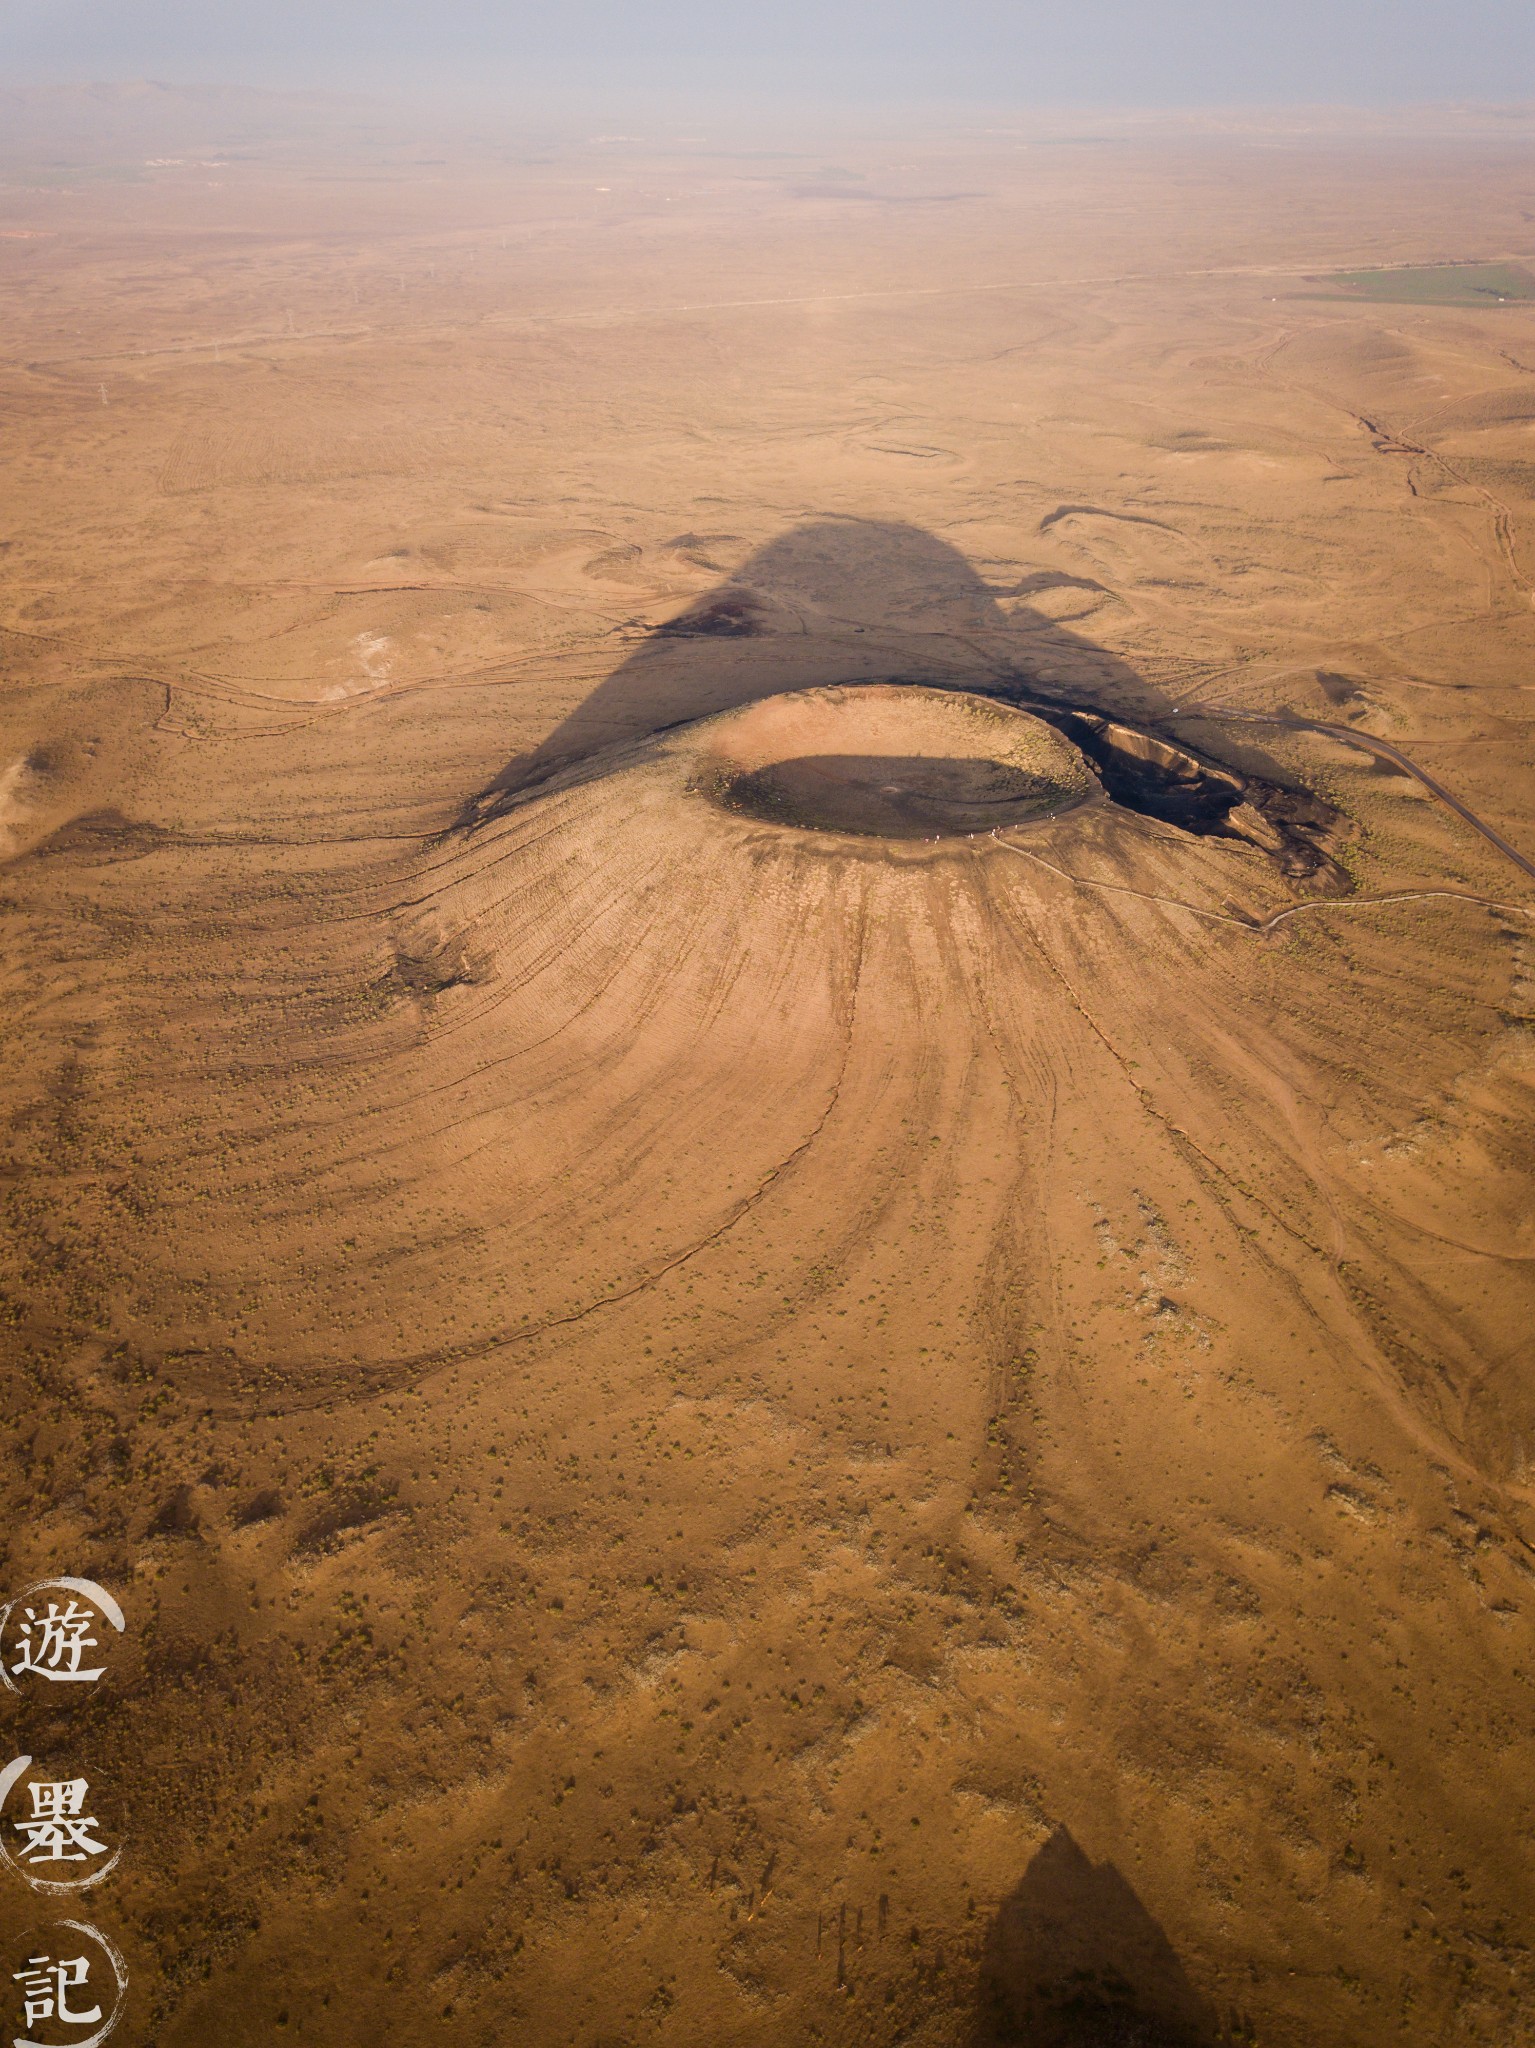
[(718, 1429)]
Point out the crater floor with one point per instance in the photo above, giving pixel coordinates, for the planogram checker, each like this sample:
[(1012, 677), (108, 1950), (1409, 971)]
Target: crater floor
[(894, 762)]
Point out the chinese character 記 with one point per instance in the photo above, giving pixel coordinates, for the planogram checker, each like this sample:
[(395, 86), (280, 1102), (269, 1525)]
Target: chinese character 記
[(46, 1985), (58, 1830), (61, 1640)]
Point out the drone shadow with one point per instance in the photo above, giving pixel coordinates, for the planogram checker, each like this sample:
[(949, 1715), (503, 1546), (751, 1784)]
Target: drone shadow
[(1073, 1959)]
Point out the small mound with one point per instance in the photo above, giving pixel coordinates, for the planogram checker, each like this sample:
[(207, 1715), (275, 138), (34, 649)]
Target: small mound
[(889, 761)]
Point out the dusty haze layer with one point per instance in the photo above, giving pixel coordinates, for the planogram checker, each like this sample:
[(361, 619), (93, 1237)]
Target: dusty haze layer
[(795, 1303)]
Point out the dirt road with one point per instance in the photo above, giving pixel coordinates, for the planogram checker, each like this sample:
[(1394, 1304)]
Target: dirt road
[(1384, 751)]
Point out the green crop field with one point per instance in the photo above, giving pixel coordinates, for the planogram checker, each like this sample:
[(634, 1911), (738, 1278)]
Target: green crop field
[(1439, 284)]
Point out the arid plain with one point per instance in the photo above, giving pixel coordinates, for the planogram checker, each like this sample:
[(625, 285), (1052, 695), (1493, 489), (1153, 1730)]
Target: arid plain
[(853, 1369)]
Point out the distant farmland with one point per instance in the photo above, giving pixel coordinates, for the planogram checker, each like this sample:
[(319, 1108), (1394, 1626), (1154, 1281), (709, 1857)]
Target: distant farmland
[(1439, 284)]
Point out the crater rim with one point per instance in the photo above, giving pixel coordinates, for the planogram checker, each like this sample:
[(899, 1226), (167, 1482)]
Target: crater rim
[(890, 761)]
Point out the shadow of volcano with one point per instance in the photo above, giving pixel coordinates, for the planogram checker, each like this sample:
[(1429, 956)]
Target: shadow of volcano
[(1074, 1960), (860, 600)]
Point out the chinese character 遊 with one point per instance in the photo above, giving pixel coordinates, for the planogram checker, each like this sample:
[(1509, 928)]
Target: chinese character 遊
[(61, 1640)]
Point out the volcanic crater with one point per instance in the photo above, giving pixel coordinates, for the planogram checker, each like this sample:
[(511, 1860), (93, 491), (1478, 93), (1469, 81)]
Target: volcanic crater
[(889, 760)]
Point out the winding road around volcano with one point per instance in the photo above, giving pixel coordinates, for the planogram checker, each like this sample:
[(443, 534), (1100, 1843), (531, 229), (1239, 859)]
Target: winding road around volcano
[(1384, 751)]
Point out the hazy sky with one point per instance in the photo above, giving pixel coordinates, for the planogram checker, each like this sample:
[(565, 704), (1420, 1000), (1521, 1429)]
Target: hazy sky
[(1181, 52)]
